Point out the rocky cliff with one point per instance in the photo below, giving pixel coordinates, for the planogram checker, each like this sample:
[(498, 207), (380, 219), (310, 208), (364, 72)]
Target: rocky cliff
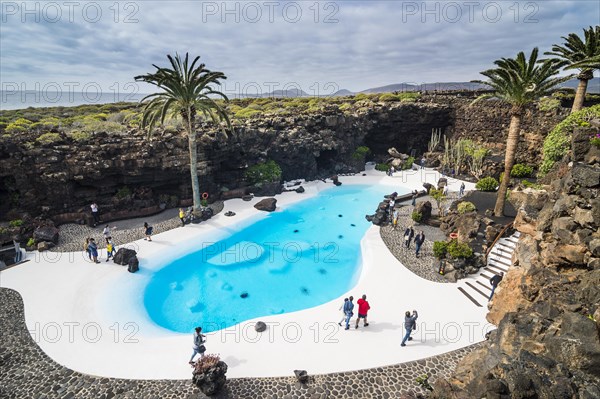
[(547, 344), (129, 171)]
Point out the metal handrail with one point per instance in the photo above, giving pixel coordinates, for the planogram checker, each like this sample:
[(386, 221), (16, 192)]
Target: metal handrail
[(498, 237)]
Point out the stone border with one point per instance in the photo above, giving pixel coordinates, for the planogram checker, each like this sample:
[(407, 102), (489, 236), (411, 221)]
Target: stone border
[(27, 372)]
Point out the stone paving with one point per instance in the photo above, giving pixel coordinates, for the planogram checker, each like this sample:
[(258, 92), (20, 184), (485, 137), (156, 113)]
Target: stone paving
[(425, 265), (72, 236), (27, 372)]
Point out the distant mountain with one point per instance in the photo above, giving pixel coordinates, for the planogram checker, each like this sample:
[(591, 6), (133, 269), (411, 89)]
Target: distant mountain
[(342, 93), (593, 85), (444, 86), (289, 93)]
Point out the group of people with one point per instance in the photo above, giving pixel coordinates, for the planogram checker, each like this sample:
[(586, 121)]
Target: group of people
[(91, 247), (348, 309), (410, 319), (409, 234)]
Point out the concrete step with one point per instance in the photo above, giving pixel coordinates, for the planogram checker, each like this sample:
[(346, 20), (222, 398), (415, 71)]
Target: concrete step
[(465, 293), (502, 266), (487, 287), (489, 270), (483, 294), (508, 243), (495, 269), (502, 254)]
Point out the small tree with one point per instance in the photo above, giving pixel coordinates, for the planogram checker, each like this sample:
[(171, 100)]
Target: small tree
[(440, 198)]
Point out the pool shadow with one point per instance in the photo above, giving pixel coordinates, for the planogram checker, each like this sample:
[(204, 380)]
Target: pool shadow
[(232, 361), (377, 327)]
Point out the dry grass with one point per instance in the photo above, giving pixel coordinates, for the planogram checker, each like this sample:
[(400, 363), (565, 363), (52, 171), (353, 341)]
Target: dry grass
[(206, 362)]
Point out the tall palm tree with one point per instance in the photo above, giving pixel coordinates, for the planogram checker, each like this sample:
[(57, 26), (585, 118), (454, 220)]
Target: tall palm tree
[(185, 90), (581, 55), (519, 82)]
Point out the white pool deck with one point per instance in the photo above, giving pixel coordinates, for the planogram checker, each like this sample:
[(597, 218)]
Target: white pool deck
[(90, 317)]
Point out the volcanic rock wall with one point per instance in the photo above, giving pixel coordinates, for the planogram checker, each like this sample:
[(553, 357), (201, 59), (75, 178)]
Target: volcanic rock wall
[(547, 309), (130, 171)]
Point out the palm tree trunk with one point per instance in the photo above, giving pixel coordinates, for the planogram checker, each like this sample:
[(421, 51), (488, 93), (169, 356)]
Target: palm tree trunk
[(509, 160), (193, 148), (580, 95)]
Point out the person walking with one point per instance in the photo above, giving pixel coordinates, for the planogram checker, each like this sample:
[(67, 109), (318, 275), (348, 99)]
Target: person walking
[(461, 190), (348, 311), (93, 248), (395, 217), (415, 194), (182, 216), (494, 281), (110, 249), (106, 232), (410, 324), (95, 214), (363, 308), (199, 348), (409, 233), (419, 240), (148, 231), (86, 248), (392, 170), (422, 162), (343, 312)]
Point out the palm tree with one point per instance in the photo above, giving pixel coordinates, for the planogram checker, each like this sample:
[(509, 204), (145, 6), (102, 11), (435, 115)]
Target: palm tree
[(584, 56), (185, 90), (519, 82)]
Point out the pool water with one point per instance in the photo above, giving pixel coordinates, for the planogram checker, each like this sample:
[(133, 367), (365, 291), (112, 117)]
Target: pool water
[(298, 258)]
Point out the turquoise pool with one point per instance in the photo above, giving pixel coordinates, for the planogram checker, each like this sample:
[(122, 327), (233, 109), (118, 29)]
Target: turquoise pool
[(294, 259)]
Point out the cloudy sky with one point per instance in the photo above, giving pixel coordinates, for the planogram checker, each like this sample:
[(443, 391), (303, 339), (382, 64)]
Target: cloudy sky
[(265, 45)]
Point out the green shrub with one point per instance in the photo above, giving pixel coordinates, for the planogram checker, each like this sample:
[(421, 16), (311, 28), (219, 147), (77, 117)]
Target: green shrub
[(30, 242), (408, 164), (465, 207), (548, 104), (360, 153), (528, 184), (487, 184), (20, 125), (520, 170), (382, 167), (459, 250), (595, 140), (246, 113), (423, 381), (389, 97), (417, 216), (266, 172), (79, 136), (557, 142), (440, 248), (16, 223), (123, 192), (49, 138), (345, 107)]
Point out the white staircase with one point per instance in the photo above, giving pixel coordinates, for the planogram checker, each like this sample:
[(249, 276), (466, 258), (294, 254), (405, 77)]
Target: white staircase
[(476, 287)]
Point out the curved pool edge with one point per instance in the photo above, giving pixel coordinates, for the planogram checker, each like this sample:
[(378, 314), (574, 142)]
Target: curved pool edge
[(158, 357)]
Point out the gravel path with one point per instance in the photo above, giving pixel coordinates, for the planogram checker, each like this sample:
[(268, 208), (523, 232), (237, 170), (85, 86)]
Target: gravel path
[(73, 236), (426, 265)]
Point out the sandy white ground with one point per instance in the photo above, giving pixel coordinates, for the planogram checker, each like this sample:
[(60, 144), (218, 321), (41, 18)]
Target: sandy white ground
[(91, 318)]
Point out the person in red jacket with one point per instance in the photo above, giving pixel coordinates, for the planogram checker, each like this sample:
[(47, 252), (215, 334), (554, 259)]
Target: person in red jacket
[(363, 308)]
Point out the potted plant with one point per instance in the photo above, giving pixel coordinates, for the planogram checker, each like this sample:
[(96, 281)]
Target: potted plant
[(209, 374)]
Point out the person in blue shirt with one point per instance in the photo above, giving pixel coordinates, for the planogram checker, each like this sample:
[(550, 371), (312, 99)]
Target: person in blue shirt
[(348, 308)]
